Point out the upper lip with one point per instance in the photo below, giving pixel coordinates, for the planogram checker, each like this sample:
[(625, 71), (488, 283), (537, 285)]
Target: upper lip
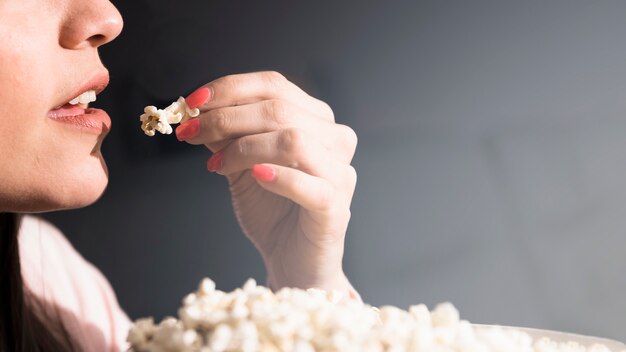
[(97, 83)]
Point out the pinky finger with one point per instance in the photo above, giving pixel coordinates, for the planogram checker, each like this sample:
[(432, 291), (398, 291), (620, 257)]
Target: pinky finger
[(312, 193)]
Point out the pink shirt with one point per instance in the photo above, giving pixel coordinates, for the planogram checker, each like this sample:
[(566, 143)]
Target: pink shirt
[(71, 287)]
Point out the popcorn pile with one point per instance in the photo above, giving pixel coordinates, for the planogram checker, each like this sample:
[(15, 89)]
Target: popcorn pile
[(253, 318), (154, 119)]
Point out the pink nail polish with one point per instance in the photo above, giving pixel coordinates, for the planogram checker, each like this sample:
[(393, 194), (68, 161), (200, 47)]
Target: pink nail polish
[(188, 129), (199, 97), (264, 173), (215, 162)]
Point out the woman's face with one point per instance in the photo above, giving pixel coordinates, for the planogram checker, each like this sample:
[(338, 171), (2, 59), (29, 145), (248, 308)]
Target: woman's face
[(49, 156)]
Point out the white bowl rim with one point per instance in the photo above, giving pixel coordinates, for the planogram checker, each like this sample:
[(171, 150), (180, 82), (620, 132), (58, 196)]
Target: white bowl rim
[(558, 336)]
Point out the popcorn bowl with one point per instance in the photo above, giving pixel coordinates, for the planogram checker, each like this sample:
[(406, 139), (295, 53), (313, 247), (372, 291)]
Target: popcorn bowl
[(254, 318), (563, 337)]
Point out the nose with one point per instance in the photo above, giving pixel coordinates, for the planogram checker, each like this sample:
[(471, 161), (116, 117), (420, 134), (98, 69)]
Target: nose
[(90, 23)]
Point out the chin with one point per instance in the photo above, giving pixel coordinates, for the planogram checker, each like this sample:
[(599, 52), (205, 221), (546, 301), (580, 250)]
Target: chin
[(78, 197), (85, 188), (76, 187)]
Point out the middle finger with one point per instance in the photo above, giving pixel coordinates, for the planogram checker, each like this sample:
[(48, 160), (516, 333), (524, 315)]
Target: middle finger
[(216, 128)]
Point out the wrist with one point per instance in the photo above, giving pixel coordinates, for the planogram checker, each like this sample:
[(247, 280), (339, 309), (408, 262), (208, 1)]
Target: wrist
[(339, 283)]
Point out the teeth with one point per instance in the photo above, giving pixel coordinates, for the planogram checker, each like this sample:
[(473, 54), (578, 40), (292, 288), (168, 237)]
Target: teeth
[(85, 98)]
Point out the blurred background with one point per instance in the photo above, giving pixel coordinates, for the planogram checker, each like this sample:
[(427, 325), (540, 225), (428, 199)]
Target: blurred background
[(491, 153)]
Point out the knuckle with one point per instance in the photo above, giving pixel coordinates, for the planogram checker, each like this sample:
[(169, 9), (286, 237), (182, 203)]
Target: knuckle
[(274, 77), (293, 142), (229, 82), (329, 110), (220, 122), (351, 176), (276, 110), (349, 136)]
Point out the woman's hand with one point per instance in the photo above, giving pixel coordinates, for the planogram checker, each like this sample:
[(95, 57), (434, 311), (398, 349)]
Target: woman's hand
[(288, 166)]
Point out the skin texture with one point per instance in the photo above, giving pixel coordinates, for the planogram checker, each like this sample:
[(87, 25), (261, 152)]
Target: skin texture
[(297, 218), (48, 48)]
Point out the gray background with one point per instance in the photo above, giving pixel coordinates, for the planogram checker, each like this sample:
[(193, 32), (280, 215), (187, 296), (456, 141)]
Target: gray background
[(491, 157)]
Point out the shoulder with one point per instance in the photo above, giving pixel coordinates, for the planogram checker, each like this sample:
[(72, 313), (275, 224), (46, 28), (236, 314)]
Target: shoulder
[(35, 231), (59, 276), (46, 252)]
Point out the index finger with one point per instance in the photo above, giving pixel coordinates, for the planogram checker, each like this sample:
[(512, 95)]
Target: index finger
[(245, 88), (248, 88)]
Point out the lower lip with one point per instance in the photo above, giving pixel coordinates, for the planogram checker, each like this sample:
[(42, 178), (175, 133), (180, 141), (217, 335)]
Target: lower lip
[(90, 120)]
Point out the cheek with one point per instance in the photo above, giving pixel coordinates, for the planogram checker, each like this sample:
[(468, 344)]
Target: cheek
[(26, 85), (50, 167)]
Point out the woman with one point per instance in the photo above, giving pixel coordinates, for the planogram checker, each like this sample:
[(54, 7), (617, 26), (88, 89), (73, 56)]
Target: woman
[(286, 160)]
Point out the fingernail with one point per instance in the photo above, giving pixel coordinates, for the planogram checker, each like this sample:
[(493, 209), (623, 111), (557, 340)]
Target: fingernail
[(199, 97), (215, 162), (264, 173), (188, 129)]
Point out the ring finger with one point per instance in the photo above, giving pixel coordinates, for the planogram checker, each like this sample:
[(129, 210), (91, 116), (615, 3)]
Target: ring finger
[(290, 147)]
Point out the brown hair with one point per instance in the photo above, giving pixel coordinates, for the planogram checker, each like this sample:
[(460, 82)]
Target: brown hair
[(22, 329)]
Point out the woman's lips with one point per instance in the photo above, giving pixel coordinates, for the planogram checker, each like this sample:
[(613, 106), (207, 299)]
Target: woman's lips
[(93, 120)]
